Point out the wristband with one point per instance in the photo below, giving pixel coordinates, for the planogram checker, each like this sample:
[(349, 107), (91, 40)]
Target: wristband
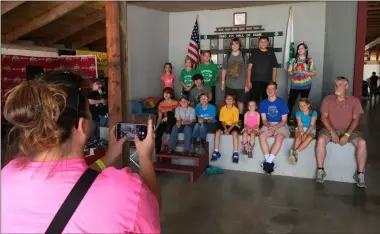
[(347, 134), (100, 164)]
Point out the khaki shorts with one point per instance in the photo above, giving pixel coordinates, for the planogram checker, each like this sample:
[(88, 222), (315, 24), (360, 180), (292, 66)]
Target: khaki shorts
[(353, 136), (284, 130)]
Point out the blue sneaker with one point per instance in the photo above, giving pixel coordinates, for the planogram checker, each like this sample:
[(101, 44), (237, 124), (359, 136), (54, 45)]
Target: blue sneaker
[(215, 155), (235, 157), (268, 167)]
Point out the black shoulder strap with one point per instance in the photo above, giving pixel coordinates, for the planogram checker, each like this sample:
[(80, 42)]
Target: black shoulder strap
[(228, 56), (76, 195)]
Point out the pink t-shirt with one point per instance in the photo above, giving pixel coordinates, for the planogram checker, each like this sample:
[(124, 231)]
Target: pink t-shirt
[(251, 119), (168, 80), (117, 202)]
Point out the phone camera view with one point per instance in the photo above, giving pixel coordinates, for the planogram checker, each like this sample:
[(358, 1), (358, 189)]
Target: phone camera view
[(129, 131)]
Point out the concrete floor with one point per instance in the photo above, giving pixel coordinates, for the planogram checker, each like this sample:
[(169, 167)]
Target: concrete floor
[(240, 202)]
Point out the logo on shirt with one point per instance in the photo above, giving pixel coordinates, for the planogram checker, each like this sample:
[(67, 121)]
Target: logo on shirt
[(272, 111), (235, 70)]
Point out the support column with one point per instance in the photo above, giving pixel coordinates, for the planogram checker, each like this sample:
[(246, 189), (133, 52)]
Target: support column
[(115, 89), (123, 28), (361, 28)]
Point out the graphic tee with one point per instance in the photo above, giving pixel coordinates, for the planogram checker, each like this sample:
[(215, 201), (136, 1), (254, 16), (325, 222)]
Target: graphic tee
[(168, 80), (210, 111), (301, 80), (274, 110), (187, 77), (209, 72), (235, 71)]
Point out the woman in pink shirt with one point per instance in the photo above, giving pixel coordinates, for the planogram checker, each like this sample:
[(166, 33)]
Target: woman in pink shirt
[(168, 77), (51, 123)]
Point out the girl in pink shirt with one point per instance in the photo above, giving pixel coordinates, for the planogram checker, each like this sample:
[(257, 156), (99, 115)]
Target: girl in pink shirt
[(51, 124), (168, 78), (251, 128)]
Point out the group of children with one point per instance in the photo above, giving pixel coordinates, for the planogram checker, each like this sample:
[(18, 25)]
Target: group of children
[(205, 81), (195, 114)]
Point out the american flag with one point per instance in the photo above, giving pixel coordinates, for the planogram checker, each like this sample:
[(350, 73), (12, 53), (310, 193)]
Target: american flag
[(193, 50)]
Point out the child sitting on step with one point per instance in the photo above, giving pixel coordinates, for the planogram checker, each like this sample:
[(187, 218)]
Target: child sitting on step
[(185, 116), (229, 118), (306, 130), (251, 128)]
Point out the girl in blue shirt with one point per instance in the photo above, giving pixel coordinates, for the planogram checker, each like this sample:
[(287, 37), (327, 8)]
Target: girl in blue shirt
[(306, 130)]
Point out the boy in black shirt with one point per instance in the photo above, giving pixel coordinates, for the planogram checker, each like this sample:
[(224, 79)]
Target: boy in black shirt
[(262, 69)]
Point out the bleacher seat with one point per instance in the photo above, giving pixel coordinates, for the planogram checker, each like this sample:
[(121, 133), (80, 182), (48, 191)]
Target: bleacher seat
[(340, 163)]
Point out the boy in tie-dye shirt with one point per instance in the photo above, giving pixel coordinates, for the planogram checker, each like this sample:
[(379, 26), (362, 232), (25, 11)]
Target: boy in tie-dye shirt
[(301, 69)]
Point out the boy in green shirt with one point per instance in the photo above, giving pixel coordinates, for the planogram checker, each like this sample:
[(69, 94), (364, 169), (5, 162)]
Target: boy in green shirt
[(186, 77), (210, 72)]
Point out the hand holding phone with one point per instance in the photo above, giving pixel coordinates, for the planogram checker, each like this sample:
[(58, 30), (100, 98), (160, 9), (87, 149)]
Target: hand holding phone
[(130, 130)]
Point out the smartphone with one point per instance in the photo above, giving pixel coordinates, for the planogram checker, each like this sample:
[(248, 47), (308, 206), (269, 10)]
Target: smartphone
[(130, 130)]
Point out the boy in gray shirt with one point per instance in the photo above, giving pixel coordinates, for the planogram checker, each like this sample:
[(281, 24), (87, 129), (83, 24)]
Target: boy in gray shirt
[(198, 89), (185, 116), (234, 74)]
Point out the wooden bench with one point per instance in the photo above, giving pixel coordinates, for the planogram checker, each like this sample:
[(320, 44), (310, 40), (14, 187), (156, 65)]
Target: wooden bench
[(169, 162)]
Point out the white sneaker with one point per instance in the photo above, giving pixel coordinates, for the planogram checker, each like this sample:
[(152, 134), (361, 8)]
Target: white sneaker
[(321, 174), (359, 178)]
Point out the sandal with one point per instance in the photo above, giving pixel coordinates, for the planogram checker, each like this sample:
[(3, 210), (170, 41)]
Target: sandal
[(250, 150), (245, 147)]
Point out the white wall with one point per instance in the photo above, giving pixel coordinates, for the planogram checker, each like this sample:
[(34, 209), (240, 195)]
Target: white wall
[(148, 36), (369, 68), (309, 26), (22, 52)]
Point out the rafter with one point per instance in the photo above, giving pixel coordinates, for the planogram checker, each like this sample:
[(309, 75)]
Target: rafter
[(7, 6), (41, 20), (85, 40), (90, 20)]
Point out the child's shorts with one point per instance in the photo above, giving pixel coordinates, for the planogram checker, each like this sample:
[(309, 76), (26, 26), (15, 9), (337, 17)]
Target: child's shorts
[(220, 127), (313, 133)]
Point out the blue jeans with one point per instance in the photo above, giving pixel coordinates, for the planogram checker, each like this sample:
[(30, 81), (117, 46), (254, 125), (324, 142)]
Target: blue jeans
[(201, 130), (187, 131)]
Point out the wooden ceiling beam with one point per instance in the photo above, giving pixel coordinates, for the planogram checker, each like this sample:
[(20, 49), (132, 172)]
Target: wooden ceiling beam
[(85, 40), (373, 16), (88, 21), (41, 20), (7, 6)]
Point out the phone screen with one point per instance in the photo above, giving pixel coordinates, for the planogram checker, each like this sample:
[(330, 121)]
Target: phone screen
[(130, 130)]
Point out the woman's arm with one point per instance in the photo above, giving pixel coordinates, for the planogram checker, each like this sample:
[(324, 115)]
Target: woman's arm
[(147, 173)]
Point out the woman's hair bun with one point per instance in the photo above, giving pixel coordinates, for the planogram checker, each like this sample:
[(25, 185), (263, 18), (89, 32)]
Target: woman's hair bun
[(33, 108)]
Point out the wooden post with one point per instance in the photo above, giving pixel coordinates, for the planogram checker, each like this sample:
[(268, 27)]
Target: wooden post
[(124, 73), (114, 73)]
